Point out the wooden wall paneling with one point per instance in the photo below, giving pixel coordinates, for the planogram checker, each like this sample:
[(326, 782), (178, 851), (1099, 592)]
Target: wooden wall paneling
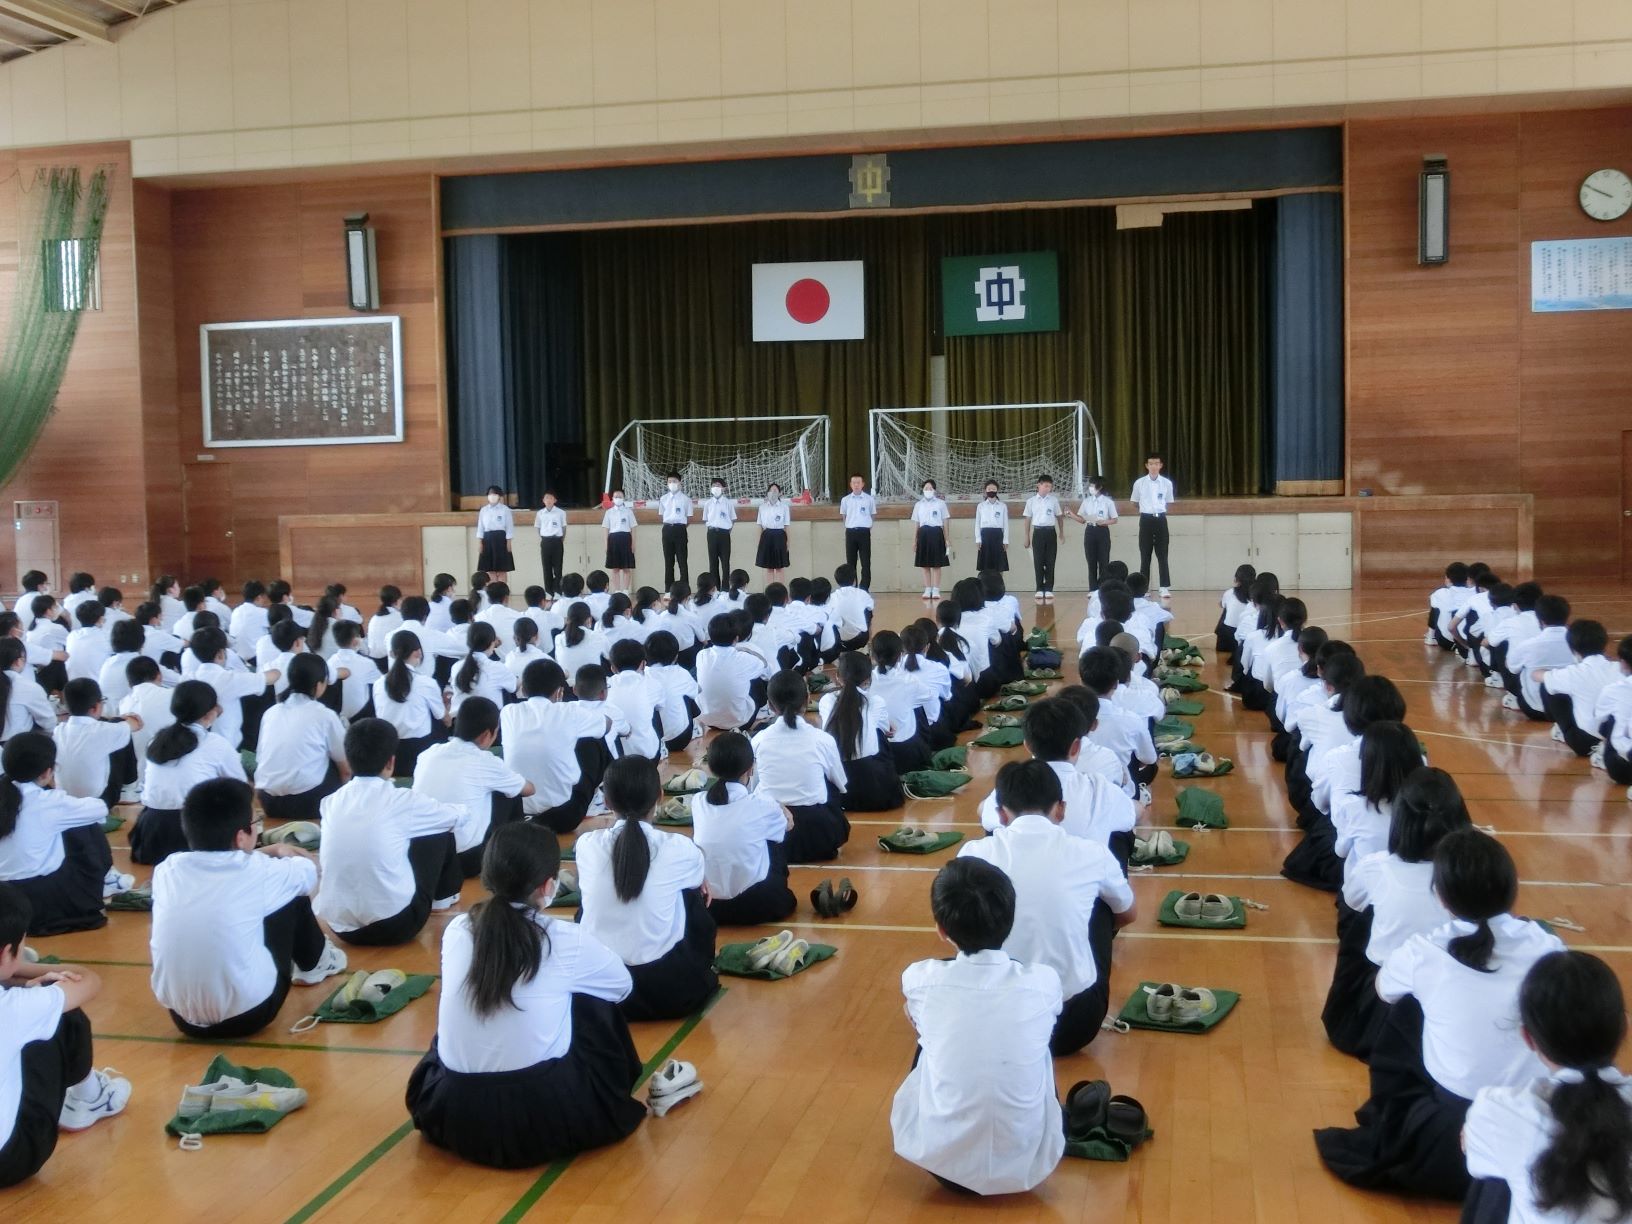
[(1397, 543), (156, 338), (364, 557)]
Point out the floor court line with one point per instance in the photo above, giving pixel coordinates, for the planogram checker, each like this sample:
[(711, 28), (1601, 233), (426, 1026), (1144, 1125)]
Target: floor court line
[(368, 1161), (161, 1039), (1164, 874)]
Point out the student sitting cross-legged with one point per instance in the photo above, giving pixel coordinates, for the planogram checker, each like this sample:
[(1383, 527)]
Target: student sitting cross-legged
[(980, 1116), (559, 746), (464, 773), (797, 764), (741, 834), (52, 847), (95, 755), (302, 757), (388, 854), (48, 1084), (532, 1061), (1060, 880), (232, 925), (645, 898), (178, 758)]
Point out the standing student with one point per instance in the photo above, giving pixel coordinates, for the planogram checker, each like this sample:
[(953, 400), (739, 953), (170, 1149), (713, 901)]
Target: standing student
[(233, 927), (929, 549), (464, 773), (532, 1061), (47, 1083), (774, 516), (495, 528), (981, 1116), (1043, 514), (719, 512), (799, 767), (551, 521), (1096, 513), (618, 525), (644, 898), (859, 510), (178, 758), (741, 835), (51, 844), (992, 531), (675, 509), (302, 756), (1152, 495)]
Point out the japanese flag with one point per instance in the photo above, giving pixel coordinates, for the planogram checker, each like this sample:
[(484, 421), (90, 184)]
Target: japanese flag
[(809, 301)]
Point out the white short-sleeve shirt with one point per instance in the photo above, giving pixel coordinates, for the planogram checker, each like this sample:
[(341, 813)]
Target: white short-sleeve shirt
[(734, 837), (300, 739), (461, 775), (1043, 511), (1152, 494), (643, 929), (27, 1014), (367, 825)]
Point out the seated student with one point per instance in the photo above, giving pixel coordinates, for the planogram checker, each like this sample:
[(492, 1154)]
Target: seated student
[(435, 614), (88, 646), (980, 1116), (278, 592), (905, 696), (1060, 882), (1558, 1149), (644, 898), (52, 846), (1521, 626), (482, 674), (532, 1060), (977, 631), (1095, 758), (232, 925), (1387, 898), (598, 594), (81, 587), (385, 621), (1291, 684), (1149, 620), (1483, 648), (302, 757), (95, 755), (675, 620), (1547, 649), (1361, 818), (31, 585), (536, 731), (1003, 614), (579, 642), (440, 648), (678, 705), (351, 674), (725, 678), (157, 643), (523, 646), (242, 695), (283, 641), (852, 607), (1468, 623), (499, 614), (798, 766), (1453, 1030), (589, 686), (464, 773), (1279, 654), (637, 697), (935, 683), (388, 854), (821, 605), (1569, 695), (179, 757), (1446, 602), (250, 620), (1124, 733), (1321, 725), (1233, 604), (769, 647), (47, 1084), (1134, 692), (741, 834), (149, 701), (319, 638), (24, 705), (411, 701), (548, 620), (1253, 632), (1116, 603), (1611, 715), (47, 637), (126, 643), (859, 723)]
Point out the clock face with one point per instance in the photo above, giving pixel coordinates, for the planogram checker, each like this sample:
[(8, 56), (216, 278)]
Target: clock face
[(1606, 195)]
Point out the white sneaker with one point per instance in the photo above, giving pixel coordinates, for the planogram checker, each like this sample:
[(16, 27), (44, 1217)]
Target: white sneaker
[(1048, 596), (332, 962), (228, 1094), (443, 904), (1038, 596), (1493, 681), (111, 1095), (131, 792), (116, 881), (934, 592), (1166, 594), (676, 1082), (1469, 661), (1597, 757), (1144, 795), (1428, 639), (1511, 702), (1558, 734), (925, 595)]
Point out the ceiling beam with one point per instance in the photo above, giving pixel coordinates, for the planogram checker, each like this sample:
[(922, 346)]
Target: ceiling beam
[(125, 6), (57, 18)]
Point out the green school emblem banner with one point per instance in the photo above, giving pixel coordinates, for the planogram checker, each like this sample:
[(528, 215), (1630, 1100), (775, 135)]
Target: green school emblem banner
[(983, 294)]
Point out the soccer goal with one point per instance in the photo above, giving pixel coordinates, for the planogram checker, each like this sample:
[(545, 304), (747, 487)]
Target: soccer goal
[(796, 457), (910, 445)]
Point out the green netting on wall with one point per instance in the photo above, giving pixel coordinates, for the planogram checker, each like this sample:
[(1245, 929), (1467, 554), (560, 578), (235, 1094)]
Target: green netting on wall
[(56, 279)]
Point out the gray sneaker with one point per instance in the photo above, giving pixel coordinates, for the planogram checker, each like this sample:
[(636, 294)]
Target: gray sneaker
[(1159, 1002)]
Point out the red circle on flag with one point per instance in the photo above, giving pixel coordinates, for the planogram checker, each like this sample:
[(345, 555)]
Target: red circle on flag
[(808, 300)]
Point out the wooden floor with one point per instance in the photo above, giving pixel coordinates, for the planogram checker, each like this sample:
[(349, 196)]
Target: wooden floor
[(794, 1122)]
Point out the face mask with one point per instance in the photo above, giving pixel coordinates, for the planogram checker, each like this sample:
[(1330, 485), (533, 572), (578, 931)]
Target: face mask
[(773, 494), (617, 501), (992, 494), (929, 492), (719, 490), (492, 499), (674, 486)]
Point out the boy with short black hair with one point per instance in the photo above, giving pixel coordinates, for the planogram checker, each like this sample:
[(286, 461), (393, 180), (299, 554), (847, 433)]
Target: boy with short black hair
[(858, 509), (1044, 522), (981, 1117), (1526, 660), (1569, 695), (1446, 604), (1123, 732), (637, 697), (462, 772), (88, 646), (95, 758), (1152, 496)]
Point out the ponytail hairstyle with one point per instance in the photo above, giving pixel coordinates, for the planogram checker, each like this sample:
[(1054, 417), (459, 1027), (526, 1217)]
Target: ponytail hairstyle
[(525, 632), (848, 719), (1269, 614), (616, 606), (646, 600), (480, 638), (337, 592), (730, 758), (507, 943), (1575, 1016), (931, 649), (707, 584), (1292, 616), (950, 617), (886, 649), (442, 585), (578, 620), (787, 694), (1310, 640), (478, 584), (678, 594), (307, 674), (11, 650), (399, 680), (1244, 575), (737, 583), (912, 645), (160, 588), (27, 757), (631, 789), (325, 612), (1427, 808), (1389, 754), (1474, 878), (1371, 699), (192, 700), (1340, 668)]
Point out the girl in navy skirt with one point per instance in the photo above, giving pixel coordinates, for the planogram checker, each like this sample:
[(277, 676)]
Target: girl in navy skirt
[(798, 766), (929, 550), (532, 1061), (992, 531), (774, 516), (495, 528), (741, 835), (859, 724), (52, 847), (619, 523), (1233, 604), (178, 759), (643, 898)]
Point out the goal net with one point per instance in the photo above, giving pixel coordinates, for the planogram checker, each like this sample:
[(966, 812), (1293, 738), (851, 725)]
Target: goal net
[(794, 456), (911, 445)]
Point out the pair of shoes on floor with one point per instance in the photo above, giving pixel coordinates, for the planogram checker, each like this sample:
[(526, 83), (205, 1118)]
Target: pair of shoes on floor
[(671, 1084), (1090, 1108), (1208, 907), (229, 1095), (332, 961), (1158, 845), (116, 881), (305, 834), (1493, 681), (103, 1094), (830, 900), (780, 953), (1171, 1003), (366, 987)]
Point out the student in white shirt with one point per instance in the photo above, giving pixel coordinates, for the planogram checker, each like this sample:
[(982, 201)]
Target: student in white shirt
[(302, 755), (47, 1083), (495, 528), (930, 513), (179, 757), (88, 646), (905, 696), (463, 773), (991, 530), (411, 701), (618, 525), (798, 765), (24, 705), (1002, 613), (1092, 757), (342, 610), (1558, 1150), (773, 518), (1508, 632), (1526, 660), (351, 673), (1097, 512), (1233, 605), (233, 927), (1612, 719), (1153, 494), (482, 674), (725, 678), (859, 723), (536, 733), (1569, 695), (126, 640), (166, 593), (149, 701), (388, 855), (741, 834), (852, 608), (1447, 602), (719, 513), (1361, 818), (678, 697), (31, 585), (249, 621), (386, 620), (95, 756), (981, 1116), (1060, 883), (243, 696), (523, 646), (1043, 515), (438, 615), (47, 637), (527, 1016), (644, 897), (1124, 733), (1463, 980), (81, 587), (859, 510), (675, 511), (638, 696), (580, 642), (52, 846), (320, 633), (551, 524)]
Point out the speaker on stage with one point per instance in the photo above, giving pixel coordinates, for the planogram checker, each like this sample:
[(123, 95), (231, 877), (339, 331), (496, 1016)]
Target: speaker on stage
[(362, 265), (1434, 211)]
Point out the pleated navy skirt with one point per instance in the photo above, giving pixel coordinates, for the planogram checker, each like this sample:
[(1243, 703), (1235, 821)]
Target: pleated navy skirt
[(773, 549), (681, 980), (620, 550), (770, 900), (495, 555), (1353, 1014), (930, 549), (156, 835)]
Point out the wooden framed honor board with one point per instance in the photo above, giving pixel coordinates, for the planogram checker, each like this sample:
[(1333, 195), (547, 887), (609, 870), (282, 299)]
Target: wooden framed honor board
[(302, 382)]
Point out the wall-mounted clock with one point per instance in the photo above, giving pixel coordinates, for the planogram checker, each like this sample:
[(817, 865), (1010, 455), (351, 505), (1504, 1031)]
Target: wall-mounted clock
[(1606, 195)]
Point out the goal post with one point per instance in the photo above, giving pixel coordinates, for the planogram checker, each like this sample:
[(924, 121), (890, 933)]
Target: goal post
[(906, 446), (643, 453)]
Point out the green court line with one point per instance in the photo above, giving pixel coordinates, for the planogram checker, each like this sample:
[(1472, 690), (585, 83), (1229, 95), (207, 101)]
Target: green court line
[(116, 964), (255, 1045), (553, 1173), (369, 1160)]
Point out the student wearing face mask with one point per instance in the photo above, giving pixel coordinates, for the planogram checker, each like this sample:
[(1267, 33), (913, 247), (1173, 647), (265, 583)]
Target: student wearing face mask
[(992, 531), (495, 528), (929, 553), (774, 516), (719, 512), (1096, 513), (619, 525), (675, 508)]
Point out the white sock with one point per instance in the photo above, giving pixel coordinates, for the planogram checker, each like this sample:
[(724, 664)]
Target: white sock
[(87, 1090)]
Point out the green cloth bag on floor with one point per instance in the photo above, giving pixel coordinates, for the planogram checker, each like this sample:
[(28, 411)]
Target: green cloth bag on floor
[(112, 823), (1182, 705), (1005, 720), (246, 758), (566, 898), (1001, 737), (817, 681), (367, 1011), (1185, 682), (1172, 641), (1197, 806), (1025, 688), (234, 1121), (732, 960), (1037, 639), (1100, 1144), (932, 783), (1007, 704), (1170, 726), (1168, 915), (674, 813), (956, 757), (135, 899), (910, 841), (1135, 1015), (1181, 851)]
